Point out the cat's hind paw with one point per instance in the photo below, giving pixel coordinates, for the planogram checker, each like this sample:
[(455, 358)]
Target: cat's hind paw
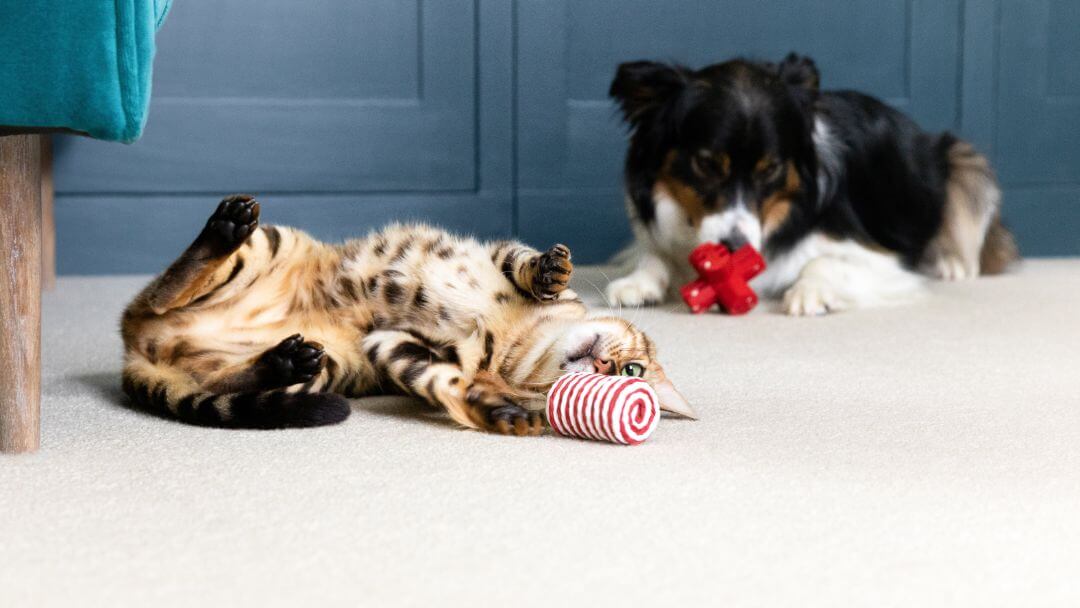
[(234, 220), (295, 360), (495, 412)]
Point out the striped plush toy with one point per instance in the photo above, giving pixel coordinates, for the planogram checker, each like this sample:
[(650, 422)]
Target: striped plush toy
[(620, 409)]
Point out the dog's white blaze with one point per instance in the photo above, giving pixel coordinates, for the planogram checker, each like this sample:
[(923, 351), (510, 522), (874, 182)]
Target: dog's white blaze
[(734, 218)]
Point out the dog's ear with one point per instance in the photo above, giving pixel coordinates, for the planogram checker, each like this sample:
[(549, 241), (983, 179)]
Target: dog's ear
[(642, 87), (799, 72)]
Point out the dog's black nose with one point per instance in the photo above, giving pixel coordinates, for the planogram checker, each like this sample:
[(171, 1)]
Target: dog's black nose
[(734, 241)]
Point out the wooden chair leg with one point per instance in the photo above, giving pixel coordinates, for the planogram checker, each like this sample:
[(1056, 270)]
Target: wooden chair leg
[(20, 293), (48, 224)]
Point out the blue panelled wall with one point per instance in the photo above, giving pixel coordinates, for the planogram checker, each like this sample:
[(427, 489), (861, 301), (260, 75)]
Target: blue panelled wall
[(491, 116)]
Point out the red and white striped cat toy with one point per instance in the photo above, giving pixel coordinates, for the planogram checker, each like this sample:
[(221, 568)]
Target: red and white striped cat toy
[(620, 409)]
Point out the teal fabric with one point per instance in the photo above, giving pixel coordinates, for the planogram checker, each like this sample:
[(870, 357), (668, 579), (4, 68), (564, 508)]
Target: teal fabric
[(83, 65)]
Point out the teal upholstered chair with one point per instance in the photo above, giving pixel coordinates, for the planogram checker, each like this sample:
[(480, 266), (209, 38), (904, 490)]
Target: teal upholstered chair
[(81, 66)]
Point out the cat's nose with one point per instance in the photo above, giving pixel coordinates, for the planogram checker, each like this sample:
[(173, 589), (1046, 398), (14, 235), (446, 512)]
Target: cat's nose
[(603, 366)]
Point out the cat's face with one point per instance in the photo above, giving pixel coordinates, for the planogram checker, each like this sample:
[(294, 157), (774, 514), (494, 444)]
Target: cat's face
[(613, 346)]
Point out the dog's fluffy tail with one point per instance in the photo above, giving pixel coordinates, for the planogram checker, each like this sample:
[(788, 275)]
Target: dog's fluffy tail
[(999, 249)]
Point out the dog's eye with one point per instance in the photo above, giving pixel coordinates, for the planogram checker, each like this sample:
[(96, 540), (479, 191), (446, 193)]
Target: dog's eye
[(769, 171), (634, 370), (702, 163), (705, 164)]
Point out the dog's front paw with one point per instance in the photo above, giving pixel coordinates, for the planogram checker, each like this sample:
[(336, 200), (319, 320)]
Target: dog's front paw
[(810, 298), (635, 290), (951, 267)]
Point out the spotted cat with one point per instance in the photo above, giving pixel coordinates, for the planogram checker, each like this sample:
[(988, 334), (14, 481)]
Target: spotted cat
[(265, 327)]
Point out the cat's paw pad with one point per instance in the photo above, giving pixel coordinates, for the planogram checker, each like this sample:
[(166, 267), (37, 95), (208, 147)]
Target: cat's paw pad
[(234, 220), (295, 360), (811, 299), (635, 290), (551, 272), (497, 413)]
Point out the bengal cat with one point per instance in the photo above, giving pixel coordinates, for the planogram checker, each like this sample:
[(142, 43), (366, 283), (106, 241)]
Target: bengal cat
[(265, 327)]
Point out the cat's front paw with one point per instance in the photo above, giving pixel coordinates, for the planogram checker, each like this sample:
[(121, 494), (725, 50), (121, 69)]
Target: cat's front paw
[(234, 220), (496, 412), (294, 360), (551, 272)]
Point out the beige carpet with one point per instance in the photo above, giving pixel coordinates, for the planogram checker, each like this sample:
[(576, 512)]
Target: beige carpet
[(918, 456)]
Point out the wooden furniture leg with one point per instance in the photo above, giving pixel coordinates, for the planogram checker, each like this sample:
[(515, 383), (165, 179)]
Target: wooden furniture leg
[(20, 293), (48, 224)]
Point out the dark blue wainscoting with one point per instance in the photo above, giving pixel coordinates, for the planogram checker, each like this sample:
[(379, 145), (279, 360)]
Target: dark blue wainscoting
[(491, 116)]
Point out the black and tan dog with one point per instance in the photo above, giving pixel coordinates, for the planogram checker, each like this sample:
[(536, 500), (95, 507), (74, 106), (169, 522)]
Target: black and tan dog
[(848, 199)]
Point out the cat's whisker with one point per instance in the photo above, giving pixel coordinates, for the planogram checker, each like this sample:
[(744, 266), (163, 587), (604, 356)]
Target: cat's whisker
[(638, 310), (600, 292), (609, 303)]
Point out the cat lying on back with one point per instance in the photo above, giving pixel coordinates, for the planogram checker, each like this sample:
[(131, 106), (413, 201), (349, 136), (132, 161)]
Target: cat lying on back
[(267, 327)]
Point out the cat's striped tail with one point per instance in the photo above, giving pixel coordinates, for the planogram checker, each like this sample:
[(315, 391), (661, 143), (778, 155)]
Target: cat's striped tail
[(167, 391)]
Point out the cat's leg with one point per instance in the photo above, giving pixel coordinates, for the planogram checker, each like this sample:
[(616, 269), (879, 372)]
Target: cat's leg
[(433, 372), (408, 361), (294, 361), (542, 276), (209, 263), (502, 406)]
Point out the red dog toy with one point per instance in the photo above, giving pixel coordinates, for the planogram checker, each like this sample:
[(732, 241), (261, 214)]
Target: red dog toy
[(723, 278)]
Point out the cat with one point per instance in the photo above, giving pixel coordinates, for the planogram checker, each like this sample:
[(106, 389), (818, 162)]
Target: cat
[(265, 327)]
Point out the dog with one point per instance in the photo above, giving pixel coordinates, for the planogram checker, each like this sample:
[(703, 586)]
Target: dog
[(850, 202)]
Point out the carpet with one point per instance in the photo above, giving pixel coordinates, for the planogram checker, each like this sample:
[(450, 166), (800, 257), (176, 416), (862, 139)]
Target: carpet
[(916, 456)]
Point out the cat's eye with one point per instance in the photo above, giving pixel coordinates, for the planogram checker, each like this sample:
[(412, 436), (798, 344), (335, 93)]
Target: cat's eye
[(635, 370)]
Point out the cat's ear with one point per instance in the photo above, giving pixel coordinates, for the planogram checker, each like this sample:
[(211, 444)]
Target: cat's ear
[(672, 400)]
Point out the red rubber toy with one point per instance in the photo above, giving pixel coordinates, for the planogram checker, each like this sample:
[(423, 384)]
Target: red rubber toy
[(723, 278)]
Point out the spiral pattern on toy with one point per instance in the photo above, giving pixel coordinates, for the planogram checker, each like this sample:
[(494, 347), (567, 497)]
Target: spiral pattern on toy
[(618, 409)]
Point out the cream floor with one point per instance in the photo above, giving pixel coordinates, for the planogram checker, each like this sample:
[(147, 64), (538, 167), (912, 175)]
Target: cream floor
[(918, 456)]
